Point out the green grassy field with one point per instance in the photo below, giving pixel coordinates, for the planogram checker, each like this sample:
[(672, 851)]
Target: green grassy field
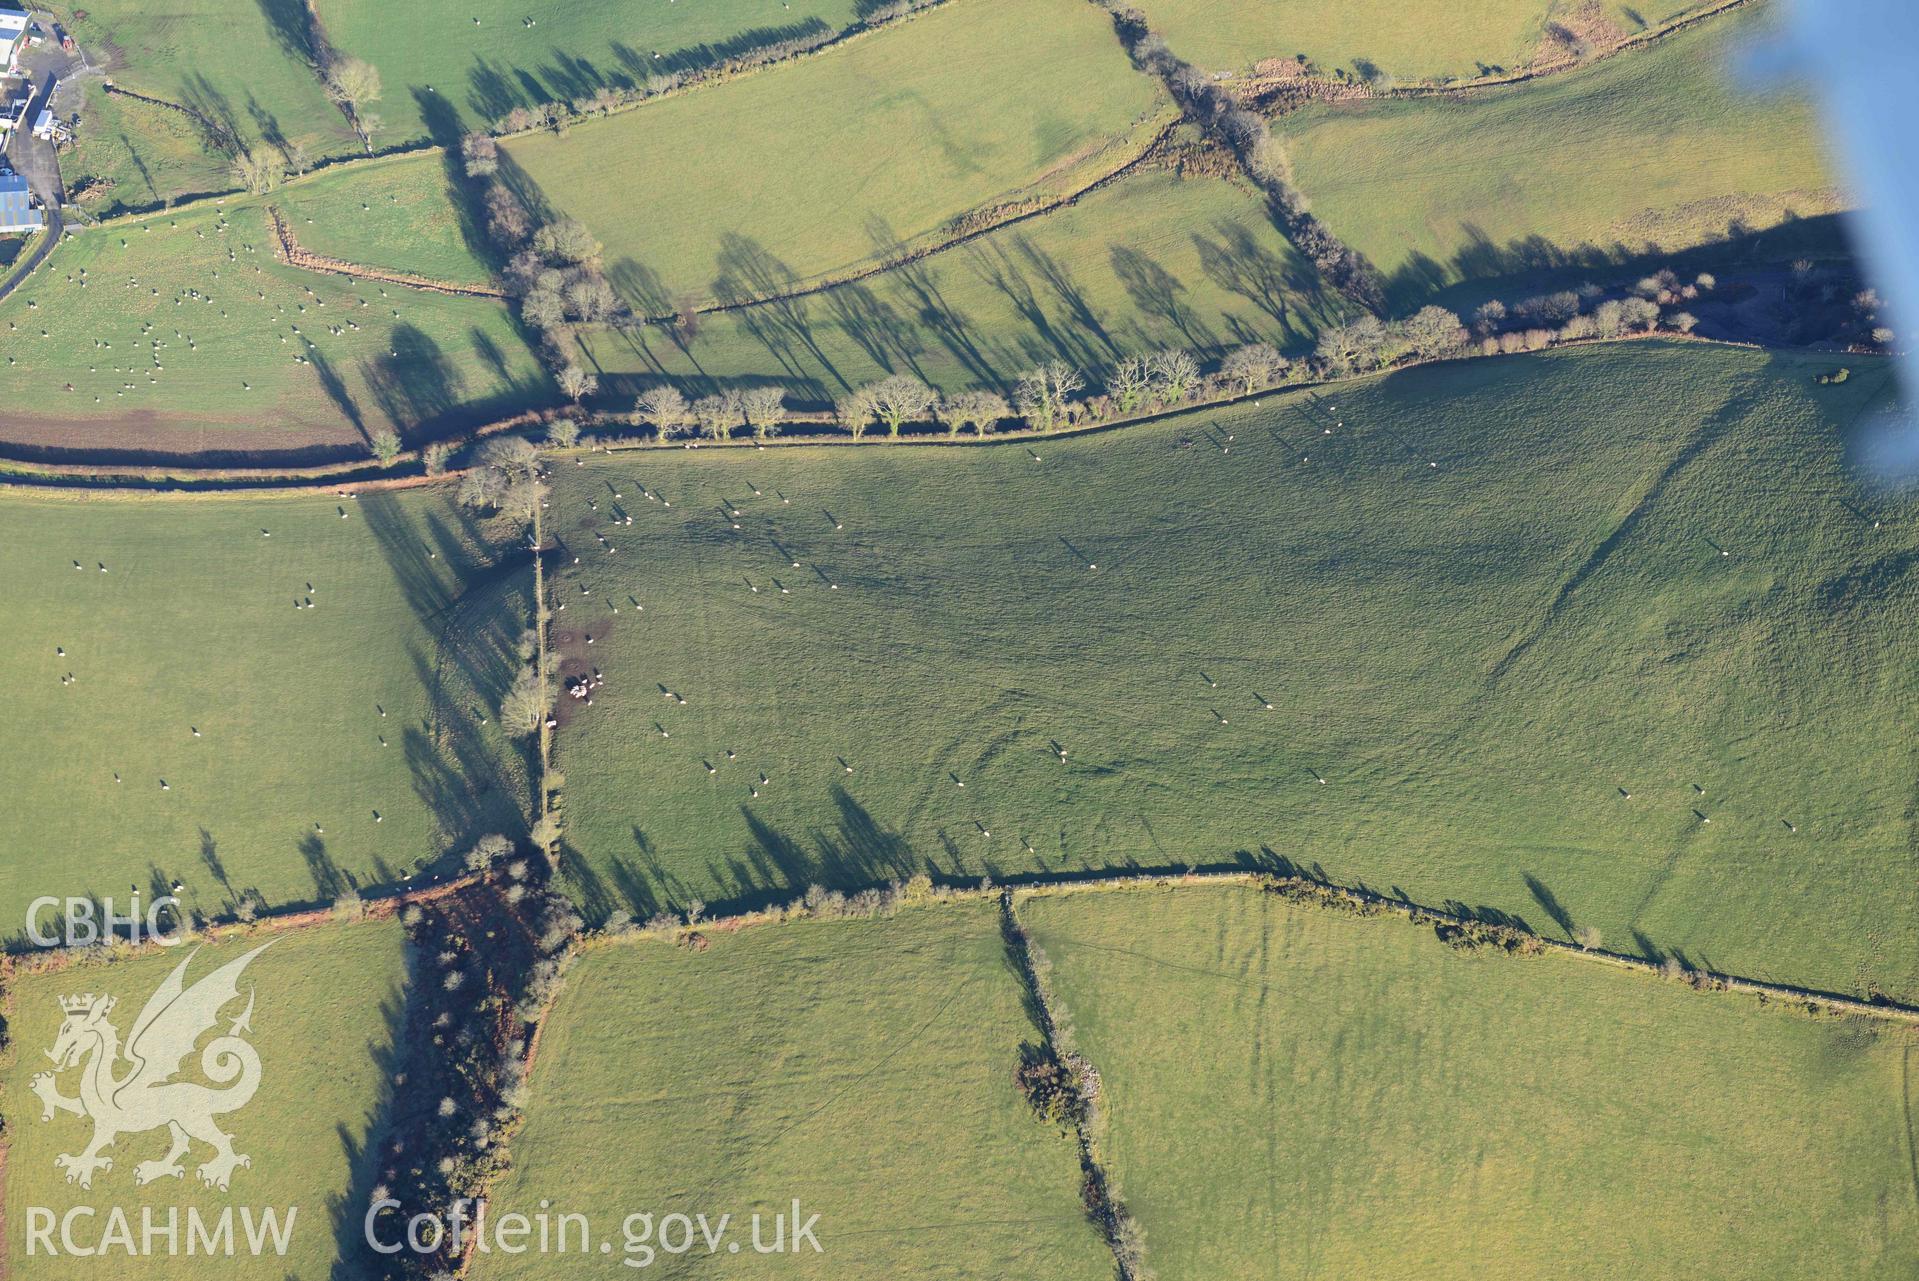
[(483, 60), (1477, 657), (806, 170), (1407, 41), (193, 626), (326, 1004), (1150, 262), (864, 1068), (1291, 1093), (1651, 149), (227, 373), (260, 88), (392, 215), (132, 155)]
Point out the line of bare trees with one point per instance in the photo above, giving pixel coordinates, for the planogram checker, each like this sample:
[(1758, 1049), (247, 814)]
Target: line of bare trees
[(552, 268), (1056, 395), (1046, 398), (1246, 135)]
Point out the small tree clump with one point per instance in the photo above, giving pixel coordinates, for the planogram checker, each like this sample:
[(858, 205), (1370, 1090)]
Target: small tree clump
[(480, 154), (982, 411), (525, 703), (718, 414), (385, 446), (566, 241)]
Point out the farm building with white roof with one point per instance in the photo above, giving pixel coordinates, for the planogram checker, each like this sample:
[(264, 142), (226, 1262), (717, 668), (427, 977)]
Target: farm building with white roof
[(13, 36), (17, 212)]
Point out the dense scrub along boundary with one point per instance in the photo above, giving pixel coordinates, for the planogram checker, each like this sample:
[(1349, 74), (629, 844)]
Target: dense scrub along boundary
[(1245, 134)]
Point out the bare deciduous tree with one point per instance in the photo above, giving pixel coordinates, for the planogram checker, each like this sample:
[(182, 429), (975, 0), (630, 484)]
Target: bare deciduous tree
[(980, 410), (1129, 383), (1357, 345), (1254, 366), (1043, 395), (718, 414), (1434, 331), (542, 308), (352, 83), (664, 407), (506, 218), (1639, 313), (566, 241), (507, 479), (525, 702), (1173, 373), (900, 398), (590, 297), (764, 408), (854, 412), (385, 446), (481, 155), (253, 172)]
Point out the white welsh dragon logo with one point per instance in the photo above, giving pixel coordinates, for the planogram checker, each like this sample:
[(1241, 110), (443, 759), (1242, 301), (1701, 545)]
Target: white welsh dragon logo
[(145, 1096)]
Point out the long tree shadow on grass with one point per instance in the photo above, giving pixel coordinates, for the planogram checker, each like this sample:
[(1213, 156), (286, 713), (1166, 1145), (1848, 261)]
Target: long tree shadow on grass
[(347, 1210), (291, 23), (476, 610), (414, 383), (1482, 260)]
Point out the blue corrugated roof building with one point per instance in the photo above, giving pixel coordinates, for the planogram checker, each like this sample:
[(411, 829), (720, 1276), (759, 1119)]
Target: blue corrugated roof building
[(16, 209)]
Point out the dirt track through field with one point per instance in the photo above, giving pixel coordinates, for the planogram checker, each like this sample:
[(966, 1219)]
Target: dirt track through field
[(288, 250)]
